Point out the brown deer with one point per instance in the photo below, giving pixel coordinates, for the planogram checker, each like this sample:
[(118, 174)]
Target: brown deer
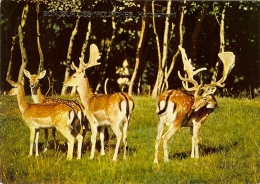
[(39, 98), (58, 115), (102, 109), (189, 107)]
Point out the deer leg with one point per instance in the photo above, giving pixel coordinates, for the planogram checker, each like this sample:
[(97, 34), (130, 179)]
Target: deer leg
[(171, 131), (36, 143), (46, 134), (195, 139), (93, 140), (192, 143), (125, 137), (79, 139), (101, 135), (32, 137), (158, 140), (118, 137), (66, 133)]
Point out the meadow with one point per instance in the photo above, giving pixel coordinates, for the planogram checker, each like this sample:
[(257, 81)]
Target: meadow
[(229, 149)]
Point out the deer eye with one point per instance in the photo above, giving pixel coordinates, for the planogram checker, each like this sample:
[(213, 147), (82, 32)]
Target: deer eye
[(74, 76)]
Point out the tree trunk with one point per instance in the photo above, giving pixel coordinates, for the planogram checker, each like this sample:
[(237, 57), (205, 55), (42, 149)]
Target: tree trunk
[(160, 75), (178, 51), (154, 93), (8, 75), (22, 48), (138, 52), (68, 62), (222, 40), (83, 50), (105, 64), (38, 39)]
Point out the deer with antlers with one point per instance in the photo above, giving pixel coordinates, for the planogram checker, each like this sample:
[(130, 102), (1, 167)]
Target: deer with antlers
[(189, 107), (58, 115), (102, 109)]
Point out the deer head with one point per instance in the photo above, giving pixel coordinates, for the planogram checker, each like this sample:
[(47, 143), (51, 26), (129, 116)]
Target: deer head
[(80, 71), (34, 79), (203, 93)]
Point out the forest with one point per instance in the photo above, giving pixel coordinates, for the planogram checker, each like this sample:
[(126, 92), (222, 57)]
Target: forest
[(138, 42)]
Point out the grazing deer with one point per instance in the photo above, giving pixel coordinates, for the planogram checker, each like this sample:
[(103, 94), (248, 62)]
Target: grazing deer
[(102, 109), (58, 115), (38, 97), (189, 107)]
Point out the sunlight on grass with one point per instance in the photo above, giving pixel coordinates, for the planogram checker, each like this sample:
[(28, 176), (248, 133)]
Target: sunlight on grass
[(229, 148)]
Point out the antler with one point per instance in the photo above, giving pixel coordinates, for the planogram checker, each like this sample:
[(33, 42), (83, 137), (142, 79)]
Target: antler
[(78, 69), (93, 57), (228, 60), (189, 69)]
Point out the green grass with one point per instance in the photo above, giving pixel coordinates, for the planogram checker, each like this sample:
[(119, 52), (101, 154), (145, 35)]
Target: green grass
[(230, 150)]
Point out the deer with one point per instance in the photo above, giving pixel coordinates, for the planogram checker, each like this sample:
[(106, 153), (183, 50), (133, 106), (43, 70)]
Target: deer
[(188, 107), (58, 115), (102, 109), (38, 97)]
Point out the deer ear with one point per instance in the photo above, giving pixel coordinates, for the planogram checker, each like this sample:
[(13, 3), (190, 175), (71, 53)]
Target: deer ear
[(213, 90), (27, 73), (42, 74)]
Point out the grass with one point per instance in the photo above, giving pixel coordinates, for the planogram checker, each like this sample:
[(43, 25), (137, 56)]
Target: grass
[(230, 150)]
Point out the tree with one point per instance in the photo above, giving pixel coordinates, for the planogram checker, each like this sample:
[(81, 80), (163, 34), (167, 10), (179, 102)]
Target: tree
[(38, 38), (162, 61), (66, 6), (139, 51), (163, 71), (222, 36), (21, 42), (108, 52)]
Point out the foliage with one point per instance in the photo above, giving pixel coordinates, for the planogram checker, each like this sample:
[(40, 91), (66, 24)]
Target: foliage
[(229, 148), (60, 5), (241, 34)]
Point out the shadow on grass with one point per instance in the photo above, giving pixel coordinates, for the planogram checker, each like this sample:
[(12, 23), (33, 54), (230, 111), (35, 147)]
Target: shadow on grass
[(204, 151), (86, 147)]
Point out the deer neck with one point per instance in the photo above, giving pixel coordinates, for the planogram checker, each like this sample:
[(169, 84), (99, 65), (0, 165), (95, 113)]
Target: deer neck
[(85, 92), (22, 103), (37, 95)]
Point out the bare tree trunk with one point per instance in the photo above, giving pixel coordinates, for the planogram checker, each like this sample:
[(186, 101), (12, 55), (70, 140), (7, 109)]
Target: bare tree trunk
[(83, 50), (68, 62), (222, 31), (222, 39), (160, 75), (22, 48), (38, 39), (154, 93), (138, 52), (105, 64), (8, 75), (178, 51)]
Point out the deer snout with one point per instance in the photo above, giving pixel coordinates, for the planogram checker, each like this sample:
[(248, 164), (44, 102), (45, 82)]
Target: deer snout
[(195, 108)]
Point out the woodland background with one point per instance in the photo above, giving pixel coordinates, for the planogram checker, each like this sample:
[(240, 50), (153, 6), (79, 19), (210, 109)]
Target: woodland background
[(135, 38)]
